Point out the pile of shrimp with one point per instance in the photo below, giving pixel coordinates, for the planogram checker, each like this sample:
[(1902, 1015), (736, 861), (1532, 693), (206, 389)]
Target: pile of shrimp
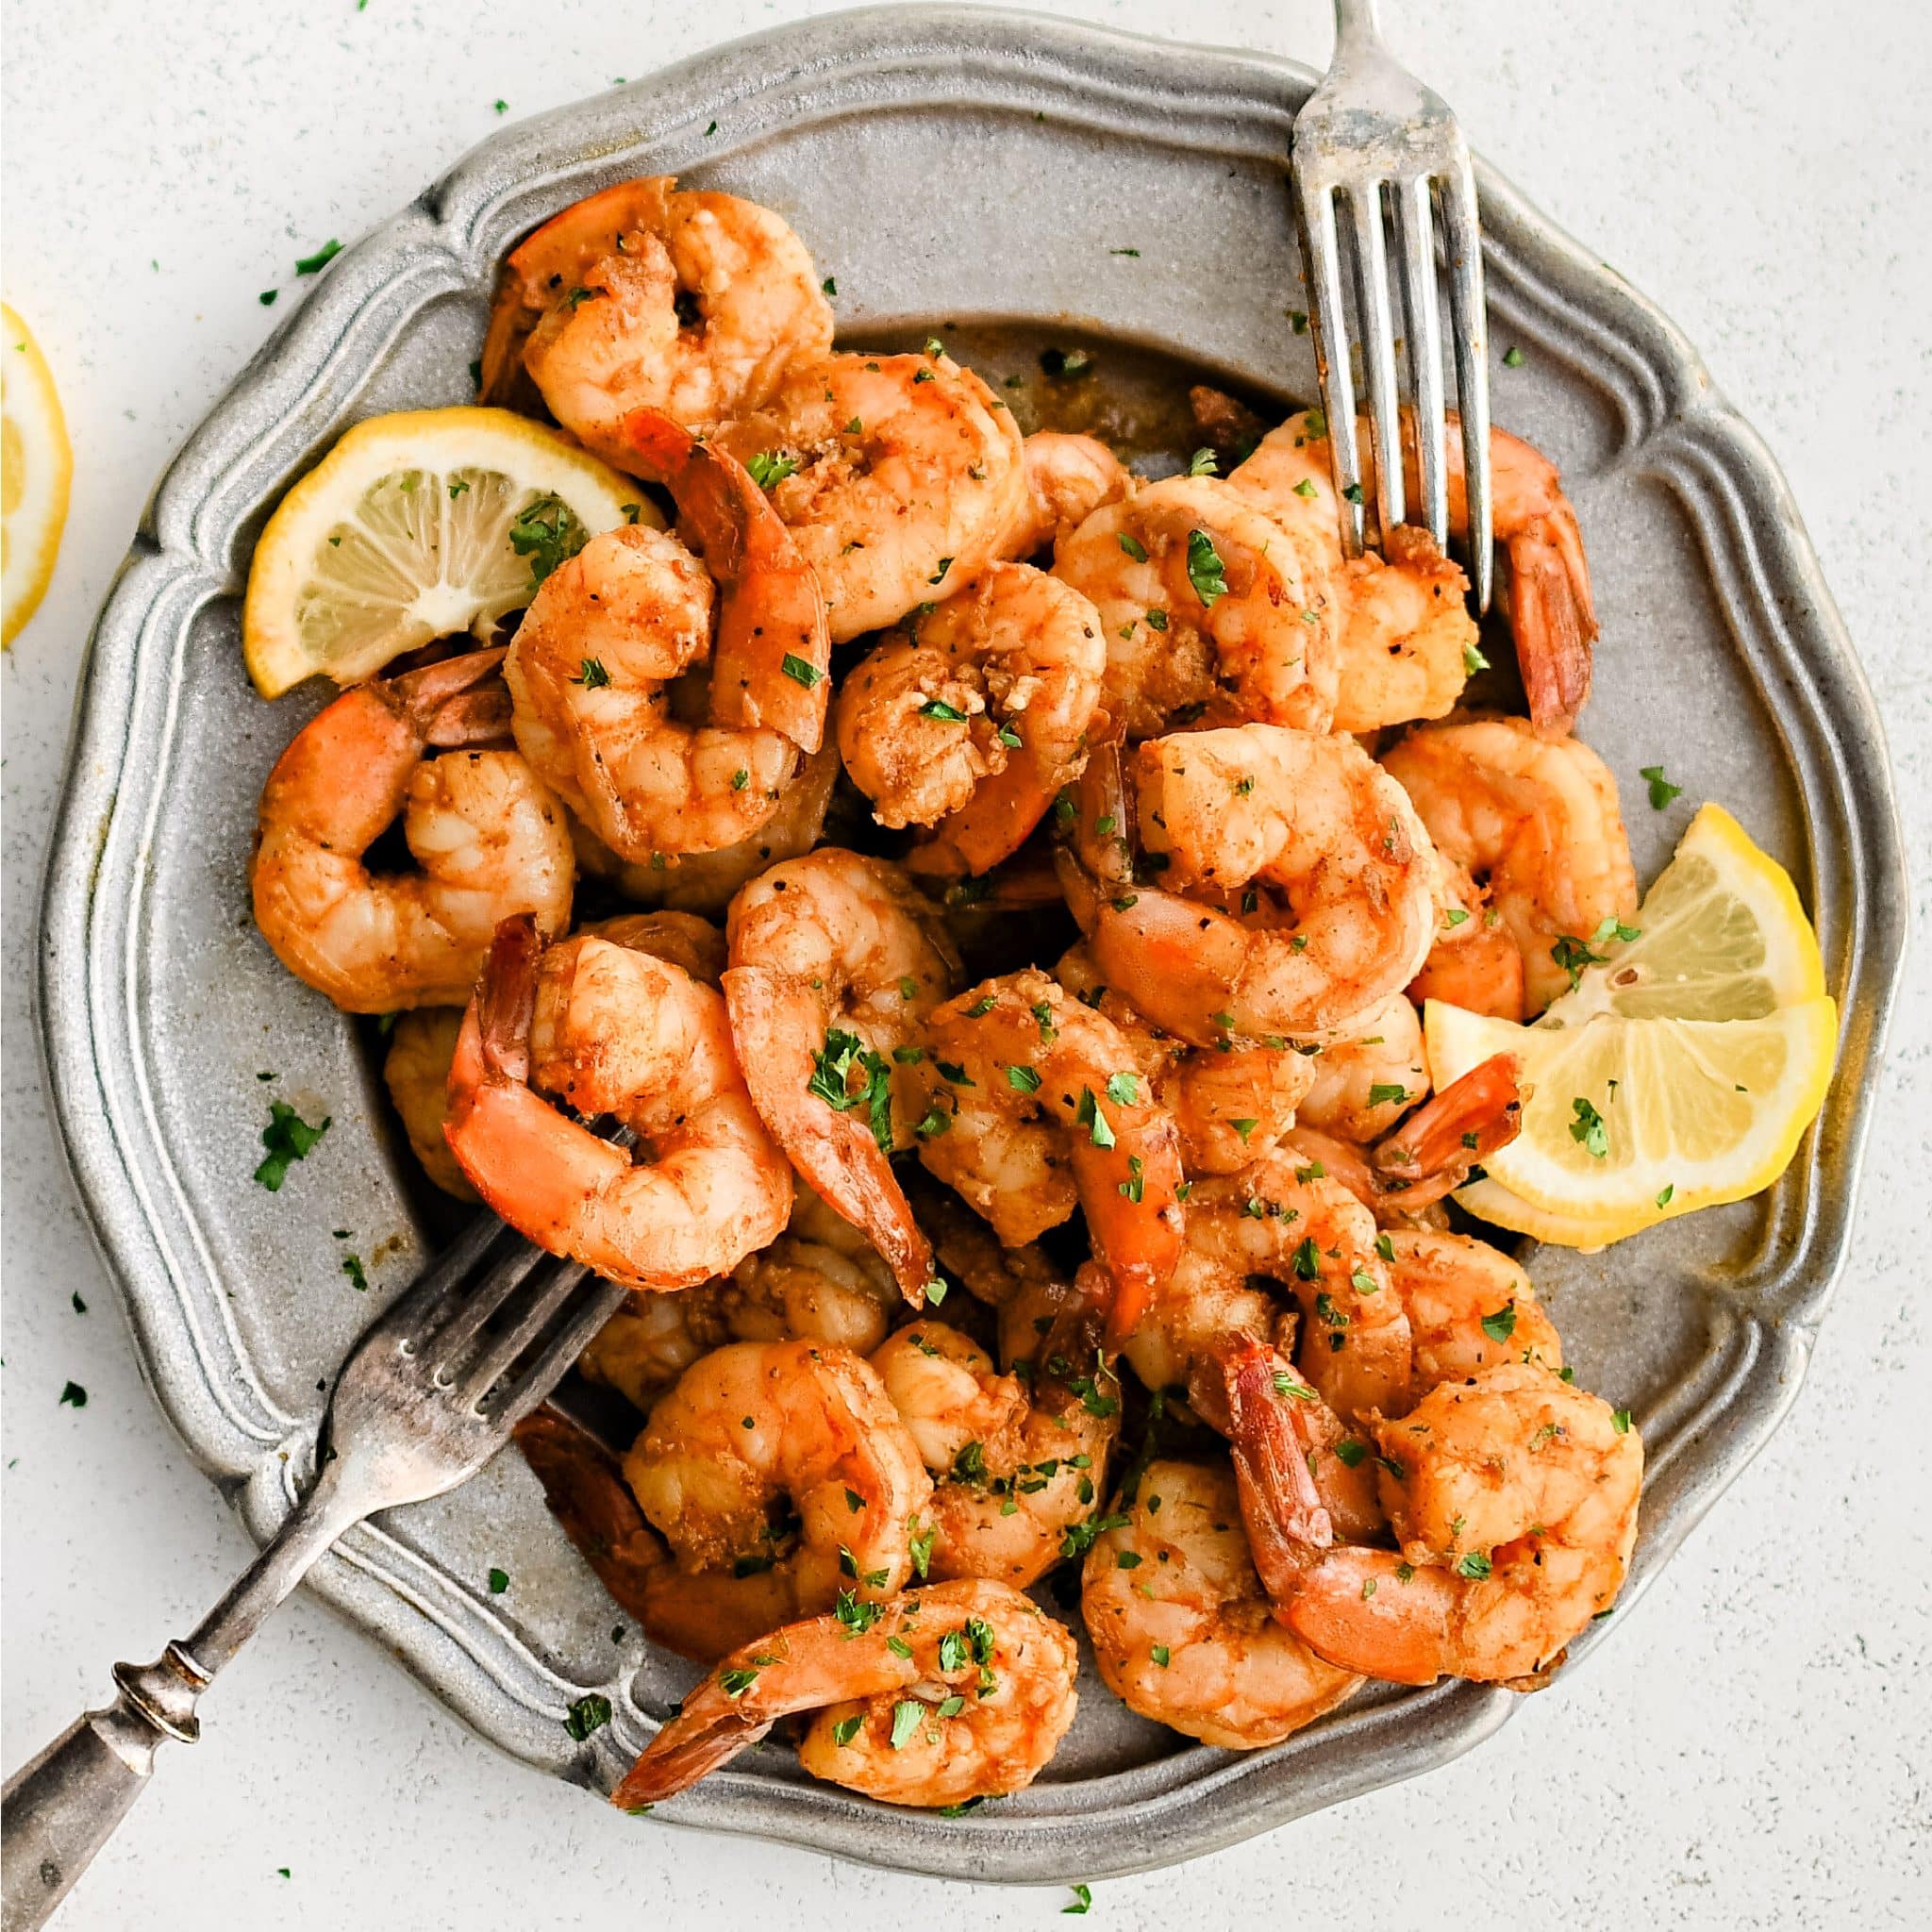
[(1013, 880)]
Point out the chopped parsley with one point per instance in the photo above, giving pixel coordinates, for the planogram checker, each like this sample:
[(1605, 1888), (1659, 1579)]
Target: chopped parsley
[(945, 713), (359, 1278), (1083, 1900), (589, 1713), (289, 1139), (1204, 464), (74, 1395), (1473, 1565), (844, 1055), (1512, 358), (1661, 789), (1133, 547), (1589, 1129), (1205, 570), (1381, 1090), (314, 264), (591, 675), (1501, 1325), (548, 533), (908, 1715), (768, 467), (846, 1730), (801, 670), (499, 1582)]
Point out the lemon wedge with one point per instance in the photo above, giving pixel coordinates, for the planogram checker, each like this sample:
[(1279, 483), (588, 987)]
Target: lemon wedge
[(1722, 936), (1681, 1071), (36, 466), (409, 530)]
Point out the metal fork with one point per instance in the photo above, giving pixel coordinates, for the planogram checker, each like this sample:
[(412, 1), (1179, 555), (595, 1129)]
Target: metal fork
[(427, 1397), (1372, 132)]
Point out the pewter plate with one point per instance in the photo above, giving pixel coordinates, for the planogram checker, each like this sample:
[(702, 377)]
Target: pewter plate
[(940, 163)]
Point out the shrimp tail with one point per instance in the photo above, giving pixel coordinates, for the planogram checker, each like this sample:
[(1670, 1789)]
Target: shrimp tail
[(1369, 1611), (1553, 618), (773, 649), (507, 999), (584, 1485), (1431, 1152), (774, 1021), (445, 691), (707, 1733), (1286, 1522)]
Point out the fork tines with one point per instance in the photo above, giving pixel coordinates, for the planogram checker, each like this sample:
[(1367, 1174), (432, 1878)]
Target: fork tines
[(1407, 175)]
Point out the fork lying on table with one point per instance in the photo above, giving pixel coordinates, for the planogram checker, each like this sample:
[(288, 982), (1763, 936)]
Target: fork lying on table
[(1373, 130), (427, 1397)]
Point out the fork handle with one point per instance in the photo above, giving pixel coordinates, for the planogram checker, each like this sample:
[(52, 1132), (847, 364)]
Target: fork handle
[(58, 1810)]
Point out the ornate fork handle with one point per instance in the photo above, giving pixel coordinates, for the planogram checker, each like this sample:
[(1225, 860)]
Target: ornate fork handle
[(61, 1808)]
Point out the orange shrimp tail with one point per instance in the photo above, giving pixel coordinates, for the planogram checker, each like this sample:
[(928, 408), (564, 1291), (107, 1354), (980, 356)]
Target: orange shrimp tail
[(771, 660), (773, 1023), (1358, 1610), (688, 1748), (1272, 1444), (583, 1484), (1554, 617), (1432, 1152), (435, 699), (506, 1002)]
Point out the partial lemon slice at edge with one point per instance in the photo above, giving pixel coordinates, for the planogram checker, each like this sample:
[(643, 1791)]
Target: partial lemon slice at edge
[(403, 534), (36, 469)]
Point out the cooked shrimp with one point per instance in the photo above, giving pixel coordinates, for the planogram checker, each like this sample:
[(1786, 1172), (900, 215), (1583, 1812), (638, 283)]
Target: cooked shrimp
[(1405, 631), (1469, 1307), (612, 1030), (1515, 1511), (836, 959), (646, 296), (590, 668), (1207, 608), (1428, 1153), (1228, 1107), (787, 1454), (703, 1617), (1299, 1229), (1068, 478), (416, 1071), (488, 834), (1018, 1458), (1474, 961), (1182, 1631), (1415, 599), (958, 1692), (1535, 821), (1033, 1101), (819, 1281), (1297, 885), (706, 881), (1369, 1074), (898, 475), (971, 718)]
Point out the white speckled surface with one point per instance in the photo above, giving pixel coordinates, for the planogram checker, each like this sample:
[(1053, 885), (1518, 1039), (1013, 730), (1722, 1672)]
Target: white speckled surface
[(1754, 1750)]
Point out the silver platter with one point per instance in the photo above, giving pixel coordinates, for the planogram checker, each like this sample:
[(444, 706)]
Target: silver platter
[(948, 164)]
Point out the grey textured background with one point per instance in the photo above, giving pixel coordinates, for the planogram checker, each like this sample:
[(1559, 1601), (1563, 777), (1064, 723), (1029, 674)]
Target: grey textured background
[(1753, 1748)]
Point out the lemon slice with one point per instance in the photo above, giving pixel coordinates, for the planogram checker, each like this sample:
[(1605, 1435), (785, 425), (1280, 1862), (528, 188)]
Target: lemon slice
[(36, 465), (1680, 1072), (403, 533), (1722, 936)]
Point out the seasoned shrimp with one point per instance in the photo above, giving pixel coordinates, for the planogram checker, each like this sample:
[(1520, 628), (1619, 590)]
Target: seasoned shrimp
[(1229, 1106), (648, 296), (819, 1281), (1035, 1102), (898, 475), (1415, 599), (703, 1617), (1515, 1511), (1406, 632), (1017, 1459), (958, 1691), (416, 1071), (590, 669), (836, 959), (488, 834), (972, 717), (1369, 1074), (1298, 885), (1207, 608), (705, 882), (1469, 1307), (615, 1030), (1535, 821), (1182, 1631), (1294, 1226), (1068, 478), (786, 1452)]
